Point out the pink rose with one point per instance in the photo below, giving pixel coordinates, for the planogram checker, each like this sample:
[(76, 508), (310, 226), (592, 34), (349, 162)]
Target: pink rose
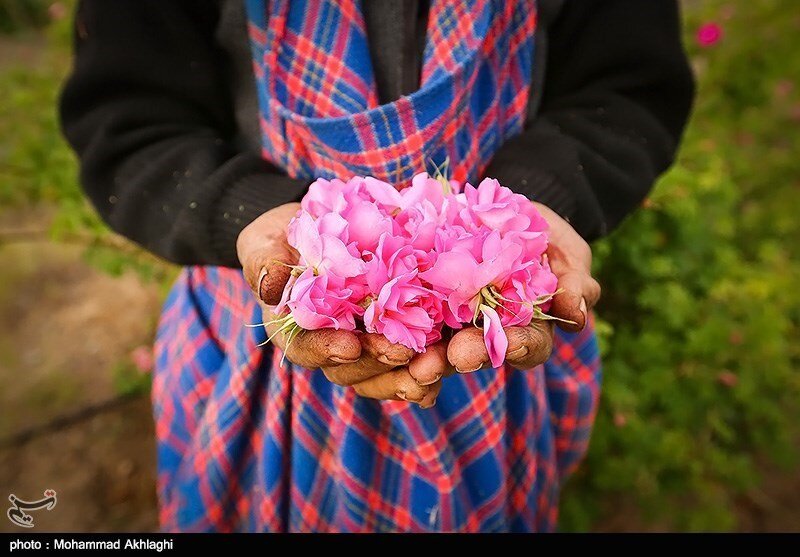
[(421, 258), (324, 197), (397, 314), (324, 253), (423, 189), (366, 224), (320, 301), (462, 276), (497, 207)]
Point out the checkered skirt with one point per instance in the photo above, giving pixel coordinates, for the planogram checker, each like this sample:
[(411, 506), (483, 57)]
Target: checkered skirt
[(245, 443)]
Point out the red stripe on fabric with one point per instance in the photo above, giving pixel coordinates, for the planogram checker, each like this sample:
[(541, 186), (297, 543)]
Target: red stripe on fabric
[(256, 34)]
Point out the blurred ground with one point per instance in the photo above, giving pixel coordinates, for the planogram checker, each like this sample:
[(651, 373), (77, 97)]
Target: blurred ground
[(103, 471), (65, 330)]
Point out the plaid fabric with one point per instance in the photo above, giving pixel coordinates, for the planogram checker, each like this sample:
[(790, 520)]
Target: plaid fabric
[(320, 114), (246, 443)]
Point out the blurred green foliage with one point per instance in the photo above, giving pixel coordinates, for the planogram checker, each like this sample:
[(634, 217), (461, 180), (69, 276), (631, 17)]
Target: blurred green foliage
[(19, 15), (37, 166), (128, 380), (701, 304)]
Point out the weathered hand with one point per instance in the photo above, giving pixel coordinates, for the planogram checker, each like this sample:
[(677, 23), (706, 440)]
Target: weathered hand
[(368, 362), (570, 259)]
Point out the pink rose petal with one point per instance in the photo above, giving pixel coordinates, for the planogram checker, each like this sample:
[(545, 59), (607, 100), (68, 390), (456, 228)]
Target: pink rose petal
[(494, 336)]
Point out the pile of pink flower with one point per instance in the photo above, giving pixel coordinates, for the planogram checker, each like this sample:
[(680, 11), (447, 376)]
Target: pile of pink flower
[(410, 264)]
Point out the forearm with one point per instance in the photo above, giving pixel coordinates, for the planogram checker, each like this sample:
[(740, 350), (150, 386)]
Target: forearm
[(147, 111)]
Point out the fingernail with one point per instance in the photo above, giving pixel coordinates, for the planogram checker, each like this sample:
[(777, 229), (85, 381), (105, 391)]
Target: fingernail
[(262, 288), (339, 360), (384, 359), (481, 366), (431, 382), (520, 352), (584, 310), (401, 395), (431, 405)]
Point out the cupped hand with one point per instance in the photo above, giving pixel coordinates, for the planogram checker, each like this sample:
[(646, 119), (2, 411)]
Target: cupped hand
[(367, 362), (570, 260)]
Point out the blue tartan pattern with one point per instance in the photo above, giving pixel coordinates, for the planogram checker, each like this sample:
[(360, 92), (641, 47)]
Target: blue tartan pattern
[(246, 443)]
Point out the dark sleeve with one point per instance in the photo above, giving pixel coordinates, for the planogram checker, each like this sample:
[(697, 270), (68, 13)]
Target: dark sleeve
[(149, 114), (617, 94)]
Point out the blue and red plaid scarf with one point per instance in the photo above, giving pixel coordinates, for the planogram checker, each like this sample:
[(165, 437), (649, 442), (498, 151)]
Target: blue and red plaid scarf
[(245, 443)]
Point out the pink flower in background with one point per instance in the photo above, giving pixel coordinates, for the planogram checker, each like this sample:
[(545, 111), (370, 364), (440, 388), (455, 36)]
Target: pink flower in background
[(709, 34), (57, 11), (728, 379), (784, 88), (142, 358)]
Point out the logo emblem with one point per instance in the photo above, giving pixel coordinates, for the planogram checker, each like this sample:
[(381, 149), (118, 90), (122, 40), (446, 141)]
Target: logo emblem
[(16, 513)]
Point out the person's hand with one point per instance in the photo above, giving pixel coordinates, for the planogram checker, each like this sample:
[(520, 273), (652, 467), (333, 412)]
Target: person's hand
[(368, 362), (570, 259)]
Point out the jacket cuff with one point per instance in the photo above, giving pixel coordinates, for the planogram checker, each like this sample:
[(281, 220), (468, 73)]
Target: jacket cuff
[(244, 201), (545, 167)]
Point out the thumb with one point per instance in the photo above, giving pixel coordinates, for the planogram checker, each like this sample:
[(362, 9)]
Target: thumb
[(267, 269), (569, 304), (273, 273), (265, 253)]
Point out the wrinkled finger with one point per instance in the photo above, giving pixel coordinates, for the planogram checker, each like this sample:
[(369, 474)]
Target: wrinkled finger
[(529, 346), (467, 350), (378, 355), (393, 385), (350, 374), (322, 348), (430, 366), (429, 400), (381, 350), (569, 304)]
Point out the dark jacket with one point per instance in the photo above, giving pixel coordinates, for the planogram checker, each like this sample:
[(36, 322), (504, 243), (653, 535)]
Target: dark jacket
[(161, 109)]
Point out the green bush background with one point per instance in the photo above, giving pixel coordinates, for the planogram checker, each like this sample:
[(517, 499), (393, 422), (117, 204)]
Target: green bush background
[(701, 309)]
